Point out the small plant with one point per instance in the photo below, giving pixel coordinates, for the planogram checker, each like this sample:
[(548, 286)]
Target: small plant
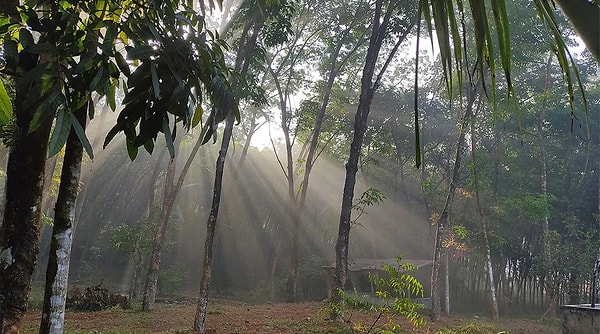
[(170, 281), (369, 197), (393, 294)]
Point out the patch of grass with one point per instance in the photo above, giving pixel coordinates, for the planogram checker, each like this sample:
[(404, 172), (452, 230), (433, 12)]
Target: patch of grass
[(36, 298), (215, 309), (471, 328), (553, 322), (308, 327), (105, 331)]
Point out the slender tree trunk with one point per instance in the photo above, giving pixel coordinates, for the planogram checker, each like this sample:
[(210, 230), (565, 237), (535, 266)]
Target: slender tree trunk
[(488, 253), (273, 258), (21, 225), (549, 285), (137, 258), (170, 194), (382, 13), (247, 45), (442, 223), (297, 204), (447, 282), (200, 318), (57, 272)]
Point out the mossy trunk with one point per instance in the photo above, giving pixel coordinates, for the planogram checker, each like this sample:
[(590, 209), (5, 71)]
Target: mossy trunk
[(20, 228)]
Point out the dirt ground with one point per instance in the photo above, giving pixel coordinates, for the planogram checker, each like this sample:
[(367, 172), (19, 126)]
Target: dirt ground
[(236, 317)]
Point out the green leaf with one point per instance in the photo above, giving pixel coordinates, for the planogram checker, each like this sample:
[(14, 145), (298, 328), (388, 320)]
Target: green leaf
[(132, 150), (6, 110), (168, 137), (49, 106), (149, 146), (110, 97), (96, 80), (141, 52), (111, 134), (62, 128), (155, 81), (26, 38), (122, 64), (110, 36), (197, 118), (503, 32), (80, 132)]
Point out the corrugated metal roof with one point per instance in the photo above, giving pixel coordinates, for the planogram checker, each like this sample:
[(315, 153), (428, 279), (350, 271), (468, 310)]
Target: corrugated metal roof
[(377, 264)]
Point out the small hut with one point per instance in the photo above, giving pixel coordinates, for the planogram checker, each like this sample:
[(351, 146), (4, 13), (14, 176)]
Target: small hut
[(359, 270)]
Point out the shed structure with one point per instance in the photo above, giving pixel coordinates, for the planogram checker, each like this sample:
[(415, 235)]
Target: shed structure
[(360, 268)]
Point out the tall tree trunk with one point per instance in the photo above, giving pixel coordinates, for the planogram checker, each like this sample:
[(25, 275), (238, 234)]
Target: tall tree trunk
[(242, 62), (549, 285), (57, 272), (297, 203), (442, 223), (21, 225), (289, 173), (381, 17), (200, 318), (169, 196), (447, 283), (480, 212)]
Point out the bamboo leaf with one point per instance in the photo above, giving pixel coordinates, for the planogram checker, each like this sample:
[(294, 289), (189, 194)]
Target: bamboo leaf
[(110, 97), (111, 134), (562, 53), (503, 32), (440, 20), (94, 84)]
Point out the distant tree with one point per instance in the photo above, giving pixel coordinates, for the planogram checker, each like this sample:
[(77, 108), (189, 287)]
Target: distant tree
[(334, 52), (256, 16)]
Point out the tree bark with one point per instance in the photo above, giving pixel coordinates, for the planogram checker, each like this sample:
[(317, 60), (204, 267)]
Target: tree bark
[(57, 272), (200, 318), (247, 45), (549, 286), (381, 17), (170, 194), (480, 212), (447, 283), (20, 229)]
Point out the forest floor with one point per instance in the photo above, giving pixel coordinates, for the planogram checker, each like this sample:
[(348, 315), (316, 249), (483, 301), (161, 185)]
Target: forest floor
[(237, 317)]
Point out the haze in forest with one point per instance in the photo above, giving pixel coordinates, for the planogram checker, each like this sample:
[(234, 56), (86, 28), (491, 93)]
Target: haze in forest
[(263, 167)]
